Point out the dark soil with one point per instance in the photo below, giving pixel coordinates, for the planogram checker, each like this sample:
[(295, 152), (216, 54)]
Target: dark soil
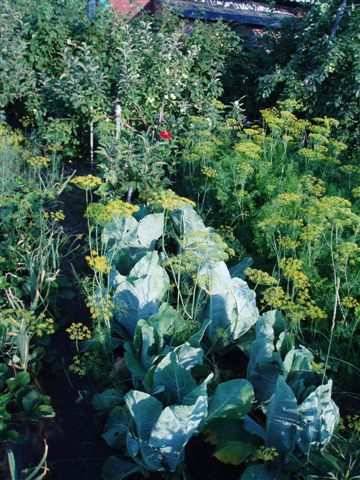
[(76, 450)]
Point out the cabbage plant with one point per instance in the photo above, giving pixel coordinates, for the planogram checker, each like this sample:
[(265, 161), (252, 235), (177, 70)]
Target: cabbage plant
[(139, 294)]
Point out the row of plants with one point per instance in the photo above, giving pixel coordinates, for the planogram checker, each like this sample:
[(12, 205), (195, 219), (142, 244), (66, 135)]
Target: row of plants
[(177, 310), (288, 191), (31, 240), (181, 354)]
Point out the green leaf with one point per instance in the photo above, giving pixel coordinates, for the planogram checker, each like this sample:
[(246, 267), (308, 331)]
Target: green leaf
[(235, 452), (187, 221), (231, 308), (139, 295), (265, 364), (298, 359), (150, 229), (173, 378), (145, 410), (20, 380), (319, 417), (116, 428), (174, 428), (30, 400), (283, 420), (232, 399), (107, 399)]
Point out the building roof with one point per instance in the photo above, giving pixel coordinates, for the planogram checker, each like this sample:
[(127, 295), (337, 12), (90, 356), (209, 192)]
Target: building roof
[(129, 8)]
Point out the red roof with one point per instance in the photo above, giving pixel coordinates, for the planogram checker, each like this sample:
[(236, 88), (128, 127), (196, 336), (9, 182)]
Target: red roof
[(129, 7)]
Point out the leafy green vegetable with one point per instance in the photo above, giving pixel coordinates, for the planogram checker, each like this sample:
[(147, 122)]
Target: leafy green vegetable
[(231, 308), (139, 294), (127, 240), (232, 399), (319, 417)]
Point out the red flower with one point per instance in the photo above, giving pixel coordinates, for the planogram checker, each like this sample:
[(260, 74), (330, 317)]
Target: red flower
[(165, 135)]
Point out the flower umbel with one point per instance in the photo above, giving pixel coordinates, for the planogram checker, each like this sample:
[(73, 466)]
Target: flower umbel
[(78, 331), (169, 200), (98, 262), (86, 182)]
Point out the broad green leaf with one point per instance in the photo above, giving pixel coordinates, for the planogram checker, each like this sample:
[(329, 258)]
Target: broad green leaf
[(116, 428), (146, 343), (150, 228), (231, 399), (283, 420), (174, 428), (298, 359), (20, 380), (319, 416), (234, 452), (145, 410), (173, 378), (107, 399), (139, 295), (186, 221), (238, 270), (169, 324), (127, 240), (265, 364), (231, 308)]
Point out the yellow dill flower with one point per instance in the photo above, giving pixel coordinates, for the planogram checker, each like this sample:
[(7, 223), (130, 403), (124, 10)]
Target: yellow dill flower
[(271, 118), (38, 162), (209, 172), (265, 454), (314, 312), (56, 216), (287, 138), (119, 208), (248, 149), (260, 277), (348, 252), (217, 104), (311, 233), (318, 138), (337, 147), (356, 192), (349, 302), (288, 243), (169, 200), (253, 131), (100, 308), (78, 331), (86, 182), (291, 268), (327, 122), (78, 365), (313, 154), (103, 213), (275, 297), (288, 197), (233, 124), (40, 325), (349, 169), (313, 185), (98, 263)]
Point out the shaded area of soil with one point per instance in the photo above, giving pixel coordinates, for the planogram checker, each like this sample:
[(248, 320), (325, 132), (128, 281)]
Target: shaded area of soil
[(76, 450)]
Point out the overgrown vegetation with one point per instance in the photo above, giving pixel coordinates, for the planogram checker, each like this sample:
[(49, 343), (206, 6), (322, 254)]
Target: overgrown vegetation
[(219, 259)]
